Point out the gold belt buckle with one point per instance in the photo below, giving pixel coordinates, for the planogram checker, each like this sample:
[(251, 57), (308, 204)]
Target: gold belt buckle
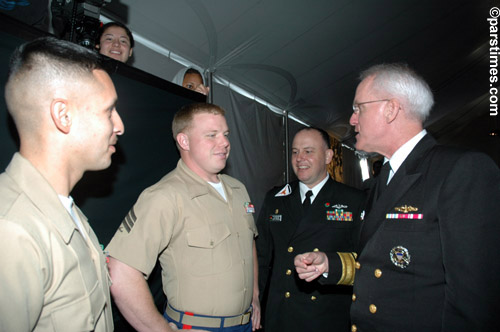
[(243, 317)]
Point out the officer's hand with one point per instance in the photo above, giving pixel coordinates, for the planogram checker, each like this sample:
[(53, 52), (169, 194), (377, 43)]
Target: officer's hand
[(311, 265)]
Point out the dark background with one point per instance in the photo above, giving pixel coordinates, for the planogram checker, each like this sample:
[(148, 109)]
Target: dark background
[(145, 152)]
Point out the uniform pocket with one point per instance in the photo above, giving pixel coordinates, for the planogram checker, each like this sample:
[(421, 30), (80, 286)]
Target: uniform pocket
[(82, 314), (208, 236), (208, 252)]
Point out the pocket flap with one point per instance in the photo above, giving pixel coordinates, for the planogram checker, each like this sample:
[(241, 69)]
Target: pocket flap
[(207, 236)]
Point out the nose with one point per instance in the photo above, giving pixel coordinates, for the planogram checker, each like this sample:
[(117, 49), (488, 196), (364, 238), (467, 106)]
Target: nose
[(354, 119), (224, 141), (116, 42), (118, 126)]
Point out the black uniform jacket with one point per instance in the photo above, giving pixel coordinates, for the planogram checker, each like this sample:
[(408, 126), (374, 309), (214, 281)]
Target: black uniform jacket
[(430, 246), (332, 223)]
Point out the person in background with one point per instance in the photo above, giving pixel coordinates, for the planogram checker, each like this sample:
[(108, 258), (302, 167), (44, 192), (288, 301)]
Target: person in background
[(191, 79), (200, 226), (313, 213), (375, 170), (115, 40), (54, 275), (428, 254)]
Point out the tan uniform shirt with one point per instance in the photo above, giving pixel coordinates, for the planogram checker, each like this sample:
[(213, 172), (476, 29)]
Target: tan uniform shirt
[(204, 243), (51, 279)]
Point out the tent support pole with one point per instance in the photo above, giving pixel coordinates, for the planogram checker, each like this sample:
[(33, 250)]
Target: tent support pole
[(286, 146), (210, 97)]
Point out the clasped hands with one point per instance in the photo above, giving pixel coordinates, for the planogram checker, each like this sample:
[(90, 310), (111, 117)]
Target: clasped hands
[(311, 265)]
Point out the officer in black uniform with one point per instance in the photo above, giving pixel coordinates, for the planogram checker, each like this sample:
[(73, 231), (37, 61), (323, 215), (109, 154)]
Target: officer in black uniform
[(428, 249), (315, 213)]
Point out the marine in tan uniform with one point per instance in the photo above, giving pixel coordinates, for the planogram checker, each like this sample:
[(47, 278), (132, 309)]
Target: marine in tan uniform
[(54, 275), (200, 226)]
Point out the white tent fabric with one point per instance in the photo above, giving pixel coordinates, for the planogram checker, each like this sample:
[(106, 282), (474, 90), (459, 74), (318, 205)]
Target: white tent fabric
[(304, 57)]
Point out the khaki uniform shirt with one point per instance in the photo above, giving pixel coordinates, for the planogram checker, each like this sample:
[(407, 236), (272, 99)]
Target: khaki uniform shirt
[(51, 279), (204, 243)]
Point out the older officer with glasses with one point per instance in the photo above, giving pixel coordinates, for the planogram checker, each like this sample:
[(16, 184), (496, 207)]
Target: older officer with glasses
[(428, 254)]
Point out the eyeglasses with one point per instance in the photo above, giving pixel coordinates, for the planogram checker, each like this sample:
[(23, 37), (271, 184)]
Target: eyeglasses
[(356, 109)]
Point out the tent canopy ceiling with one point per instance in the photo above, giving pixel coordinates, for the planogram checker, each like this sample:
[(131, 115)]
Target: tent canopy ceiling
[(305, 56)]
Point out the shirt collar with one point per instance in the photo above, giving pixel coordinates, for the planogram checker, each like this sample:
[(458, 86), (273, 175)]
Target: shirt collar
[(400, 155), (67, 201), (304, 188)]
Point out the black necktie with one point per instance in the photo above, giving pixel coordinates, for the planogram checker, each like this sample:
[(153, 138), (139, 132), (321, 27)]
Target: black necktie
[(307, 201), (383, 177)]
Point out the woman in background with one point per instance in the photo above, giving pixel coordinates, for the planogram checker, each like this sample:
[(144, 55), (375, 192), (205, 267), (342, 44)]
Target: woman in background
[(191, 79), (115, 40)]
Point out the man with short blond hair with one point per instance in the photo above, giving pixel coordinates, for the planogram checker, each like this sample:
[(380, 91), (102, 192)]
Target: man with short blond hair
[(199, 224)]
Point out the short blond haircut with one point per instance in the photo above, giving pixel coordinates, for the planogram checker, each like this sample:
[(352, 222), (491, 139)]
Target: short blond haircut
[(184, 117)]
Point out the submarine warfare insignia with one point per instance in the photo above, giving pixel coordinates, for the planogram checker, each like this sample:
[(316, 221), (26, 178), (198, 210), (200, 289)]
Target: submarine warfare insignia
[(406, 209), (400, 257)]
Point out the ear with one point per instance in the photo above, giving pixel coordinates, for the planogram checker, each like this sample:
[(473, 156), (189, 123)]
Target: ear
[(97, 46), (391, 110), (183, 141), (329, 156), (60, 114), (130, 52)]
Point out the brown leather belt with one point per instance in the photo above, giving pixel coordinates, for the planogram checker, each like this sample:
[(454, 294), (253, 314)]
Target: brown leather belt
[(208, 321)]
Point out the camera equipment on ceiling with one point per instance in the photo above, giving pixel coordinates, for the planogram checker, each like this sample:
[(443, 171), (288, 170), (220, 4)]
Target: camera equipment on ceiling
[(77, 20)]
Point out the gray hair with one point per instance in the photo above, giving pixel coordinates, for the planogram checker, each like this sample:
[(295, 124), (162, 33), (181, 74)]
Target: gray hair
[(400, 81)]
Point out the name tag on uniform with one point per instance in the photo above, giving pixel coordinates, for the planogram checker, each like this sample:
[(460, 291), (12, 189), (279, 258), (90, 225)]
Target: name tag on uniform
[(275, 217)]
